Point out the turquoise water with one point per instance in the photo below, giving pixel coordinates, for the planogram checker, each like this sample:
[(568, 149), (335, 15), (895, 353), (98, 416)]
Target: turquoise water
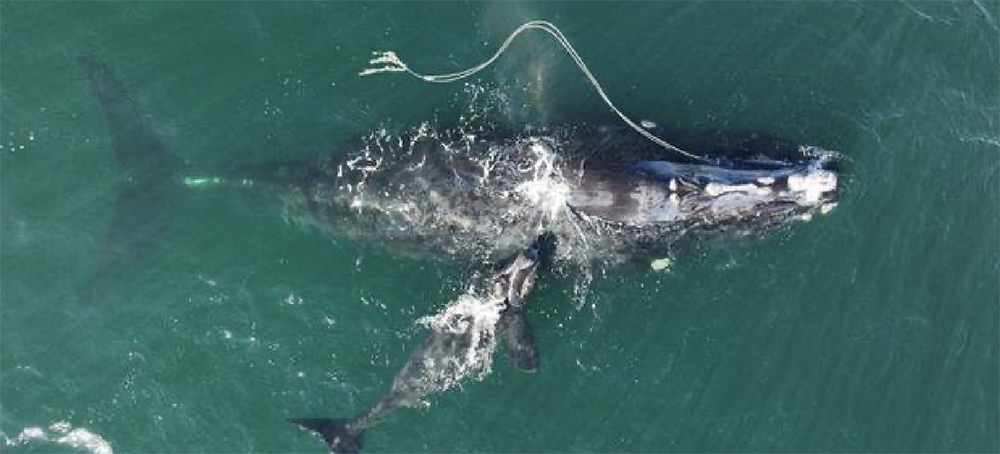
[(874, 328)]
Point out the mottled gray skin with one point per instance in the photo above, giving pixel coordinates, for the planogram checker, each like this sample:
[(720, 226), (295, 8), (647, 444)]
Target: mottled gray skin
[(427, 197), (434, 364), (511, 285), (608, 198)]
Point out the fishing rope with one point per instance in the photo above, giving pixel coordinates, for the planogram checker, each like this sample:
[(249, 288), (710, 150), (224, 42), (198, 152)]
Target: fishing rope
[(391, 63)]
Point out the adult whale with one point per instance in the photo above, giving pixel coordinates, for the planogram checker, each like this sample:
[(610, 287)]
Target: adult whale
[(605, 193)]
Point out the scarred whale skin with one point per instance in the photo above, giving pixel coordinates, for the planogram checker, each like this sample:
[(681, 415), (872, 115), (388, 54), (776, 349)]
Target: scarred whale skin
[(471, 196)]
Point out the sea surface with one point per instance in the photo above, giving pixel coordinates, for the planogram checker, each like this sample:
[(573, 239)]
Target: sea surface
[(874, 328)]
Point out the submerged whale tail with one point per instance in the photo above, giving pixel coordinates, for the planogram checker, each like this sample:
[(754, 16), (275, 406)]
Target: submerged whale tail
[(516, 332), (337, 432), (143, 209)]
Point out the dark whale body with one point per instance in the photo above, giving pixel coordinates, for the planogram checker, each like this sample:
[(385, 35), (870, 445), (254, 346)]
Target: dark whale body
[(605, 192), (606, 196)]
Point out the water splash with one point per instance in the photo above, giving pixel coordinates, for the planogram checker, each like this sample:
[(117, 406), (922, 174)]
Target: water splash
[(428, 177), (61, 433), (473, 319), (546, 190)]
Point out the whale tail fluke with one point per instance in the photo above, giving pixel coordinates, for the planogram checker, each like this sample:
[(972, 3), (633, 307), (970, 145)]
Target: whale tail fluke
[(144, 206), (516, 332), (337, 432), (136, 145), (513, 327)]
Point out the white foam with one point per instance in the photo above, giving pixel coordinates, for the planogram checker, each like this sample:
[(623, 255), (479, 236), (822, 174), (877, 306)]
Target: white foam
[(547, 190), (471, 316), (61, 426), (83, 439), (28, 434), (661, 264), (62, 433), (292, 300)]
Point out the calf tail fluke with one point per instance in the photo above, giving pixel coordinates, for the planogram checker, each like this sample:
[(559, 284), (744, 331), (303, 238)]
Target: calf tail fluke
[(516, 332), (338, 433)]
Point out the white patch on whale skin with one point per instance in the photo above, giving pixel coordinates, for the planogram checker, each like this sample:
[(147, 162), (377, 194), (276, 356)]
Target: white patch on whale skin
[(600, 195), (812, 184), (716, 189), (653, 204)]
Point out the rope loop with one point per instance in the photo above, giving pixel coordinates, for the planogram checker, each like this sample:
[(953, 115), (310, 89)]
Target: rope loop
[(385, 62)]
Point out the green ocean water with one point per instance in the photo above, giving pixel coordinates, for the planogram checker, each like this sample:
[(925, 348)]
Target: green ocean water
[(874, 328)]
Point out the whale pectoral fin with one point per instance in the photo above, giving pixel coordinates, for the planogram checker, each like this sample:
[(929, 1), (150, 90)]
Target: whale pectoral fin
[(337, 433), (516, 332)]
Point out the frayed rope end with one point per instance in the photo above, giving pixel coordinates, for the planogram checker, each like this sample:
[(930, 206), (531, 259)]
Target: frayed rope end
[(390, 62)]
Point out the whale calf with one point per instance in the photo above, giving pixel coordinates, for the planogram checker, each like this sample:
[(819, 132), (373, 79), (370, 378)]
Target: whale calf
[(442, 360)]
